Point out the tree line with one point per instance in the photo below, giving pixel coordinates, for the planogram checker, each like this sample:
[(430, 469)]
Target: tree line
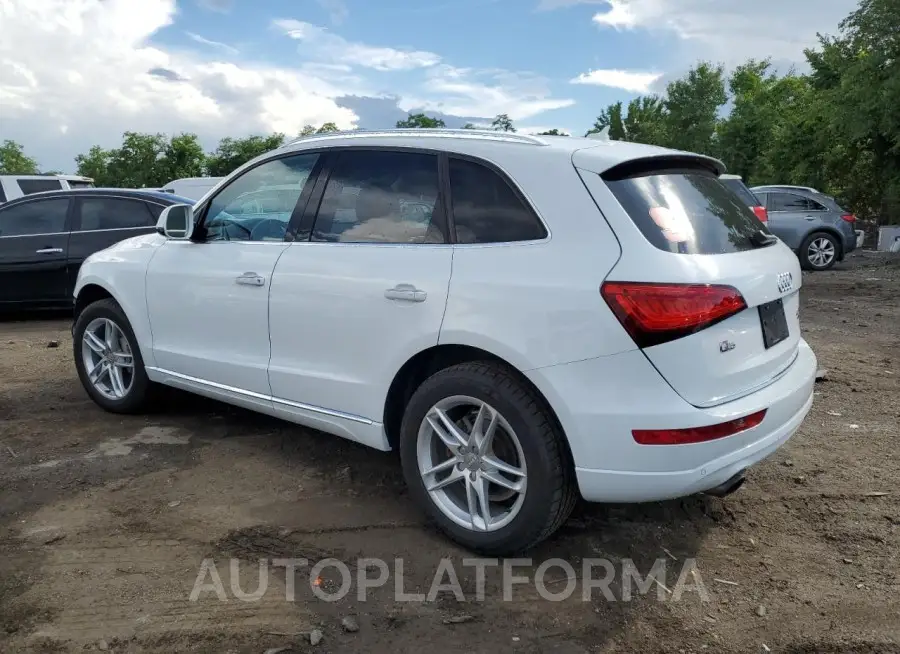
[(835, 128)]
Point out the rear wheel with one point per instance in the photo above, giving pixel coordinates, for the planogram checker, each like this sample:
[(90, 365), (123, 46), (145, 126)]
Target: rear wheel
[(485, 459), (819, 251), (108, 359)]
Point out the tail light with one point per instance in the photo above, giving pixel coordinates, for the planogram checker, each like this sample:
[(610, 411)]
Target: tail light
[(850, 218), (761, 213), (697, 434), (657, 313)]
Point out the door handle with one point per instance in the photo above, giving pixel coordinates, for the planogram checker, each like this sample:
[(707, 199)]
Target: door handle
[(405, 293), (250, 279), (49, 251), (809, 217)]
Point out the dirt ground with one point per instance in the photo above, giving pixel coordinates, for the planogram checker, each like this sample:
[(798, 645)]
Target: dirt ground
[(105, 522)]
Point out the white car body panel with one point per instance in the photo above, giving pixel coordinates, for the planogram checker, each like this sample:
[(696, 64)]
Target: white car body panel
[(319, 343), (337, 341), (219, 334)]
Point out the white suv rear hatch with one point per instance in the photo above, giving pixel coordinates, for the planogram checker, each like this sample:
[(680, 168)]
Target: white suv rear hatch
[(702, 286)]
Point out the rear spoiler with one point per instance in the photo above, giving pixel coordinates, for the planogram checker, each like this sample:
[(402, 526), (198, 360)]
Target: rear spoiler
[(664, 163)]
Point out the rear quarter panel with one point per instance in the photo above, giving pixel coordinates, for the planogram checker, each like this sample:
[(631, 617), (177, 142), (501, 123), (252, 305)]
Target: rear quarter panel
[(538, 303)]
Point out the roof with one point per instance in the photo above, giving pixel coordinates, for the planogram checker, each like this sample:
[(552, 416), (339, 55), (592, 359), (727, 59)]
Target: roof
[(604, 154), (146, 194)]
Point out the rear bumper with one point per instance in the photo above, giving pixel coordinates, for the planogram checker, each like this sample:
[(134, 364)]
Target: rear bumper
[(600, 401)]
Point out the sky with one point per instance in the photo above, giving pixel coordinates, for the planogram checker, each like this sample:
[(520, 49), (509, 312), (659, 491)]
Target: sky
[(77, 73)]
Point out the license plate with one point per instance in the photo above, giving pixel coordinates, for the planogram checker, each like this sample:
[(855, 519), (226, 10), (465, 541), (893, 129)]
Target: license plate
[(774, 323)]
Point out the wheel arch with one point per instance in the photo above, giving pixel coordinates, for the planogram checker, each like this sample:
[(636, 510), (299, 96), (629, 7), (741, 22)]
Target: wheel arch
[(438, 357), (825, 229), (93, 290)]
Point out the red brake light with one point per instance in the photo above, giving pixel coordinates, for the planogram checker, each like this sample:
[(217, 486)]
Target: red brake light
[(697, 434), (850, 218), (657, 313), (761, 213)]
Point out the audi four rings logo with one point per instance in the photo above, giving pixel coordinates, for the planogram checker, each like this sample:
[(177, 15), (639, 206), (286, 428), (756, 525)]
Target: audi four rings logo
[(785, 282)]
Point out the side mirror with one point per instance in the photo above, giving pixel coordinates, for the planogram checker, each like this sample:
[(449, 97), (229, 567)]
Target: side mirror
[(176, 222)]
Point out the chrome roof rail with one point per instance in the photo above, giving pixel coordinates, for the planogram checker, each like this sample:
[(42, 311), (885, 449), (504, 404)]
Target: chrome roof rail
[(490, 135)]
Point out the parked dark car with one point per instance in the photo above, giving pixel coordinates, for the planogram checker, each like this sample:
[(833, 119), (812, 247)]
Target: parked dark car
[(811, 223), (44, 238)]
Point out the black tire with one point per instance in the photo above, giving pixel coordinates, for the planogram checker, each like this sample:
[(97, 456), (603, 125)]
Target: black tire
[(140, 393), (806, 263), (551, 490)]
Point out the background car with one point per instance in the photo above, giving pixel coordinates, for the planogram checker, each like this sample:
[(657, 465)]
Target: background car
[(17, 186), (736, 184), (811, 223), (45, 237)]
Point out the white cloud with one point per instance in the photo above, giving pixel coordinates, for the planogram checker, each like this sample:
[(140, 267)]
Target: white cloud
[(730, 31), (213, 44), (319, 41), (626, 80), (86, 64), (468, 92)]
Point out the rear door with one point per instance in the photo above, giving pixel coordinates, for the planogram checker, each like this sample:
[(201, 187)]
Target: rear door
[(33, 244), (362, 289), (100, 221), (791, 217), (704, 290)]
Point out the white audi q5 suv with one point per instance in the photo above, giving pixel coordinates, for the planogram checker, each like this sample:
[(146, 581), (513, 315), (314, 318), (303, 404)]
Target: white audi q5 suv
[(525, 319)]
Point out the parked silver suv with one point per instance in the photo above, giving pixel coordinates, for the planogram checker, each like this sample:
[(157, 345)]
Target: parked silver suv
[(811, 223)]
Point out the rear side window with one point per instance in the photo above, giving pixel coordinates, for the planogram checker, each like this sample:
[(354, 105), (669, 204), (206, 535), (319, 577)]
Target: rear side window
[(381, 197), (687, 212), (42, 217), (741, 190), (789, 202), (30, 186), (114, 213), (486, 209), (80, 184), (2, 193)]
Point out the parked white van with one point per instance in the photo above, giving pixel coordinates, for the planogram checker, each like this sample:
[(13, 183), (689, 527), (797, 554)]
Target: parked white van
[(16, 186), (192, 187)]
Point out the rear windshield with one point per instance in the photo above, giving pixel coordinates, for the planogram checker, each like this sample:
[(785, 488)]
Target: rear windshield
[(687, 212), (738, 186)]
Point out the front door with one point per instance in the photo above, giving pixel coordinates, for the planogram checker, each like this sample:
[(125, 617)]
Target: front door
[(208, 298), (364, 293), (34, 240), (790, 217)]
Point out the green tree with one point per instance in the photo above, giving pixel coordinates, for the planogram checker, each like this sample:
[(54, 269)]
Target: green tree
[(552, 132), (183, 157), (421, 121), (692, 107), (95, 164), (503, 123), (14, 161), (233, 153), (469, 126), (610, 117), (327, 127), (646, 121), (138, 161)]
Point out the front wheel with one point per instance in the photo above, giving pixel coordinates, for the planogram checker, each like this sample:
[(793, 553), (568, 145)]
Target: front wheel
[(108, 359), (485, 459), (819, 251)]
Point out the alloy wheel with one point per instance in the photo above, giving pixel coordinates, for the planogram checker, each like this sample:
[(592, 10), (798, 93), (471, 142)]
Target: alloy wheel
[(108, 360), (820, 252), (471, 463)]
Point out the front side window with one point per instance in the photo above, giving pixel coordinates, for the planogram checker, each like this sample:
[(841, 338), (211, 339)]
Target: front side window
[(30, 186), (486, 209), (114, 213), (42, 217), (381, 197), (257, 206)]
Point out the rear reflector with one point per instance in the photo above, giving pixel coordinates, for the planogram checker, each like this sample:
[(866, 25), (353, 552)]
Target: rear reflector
[(761, 213), (697, 434), (850, 218), (657, 313)]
